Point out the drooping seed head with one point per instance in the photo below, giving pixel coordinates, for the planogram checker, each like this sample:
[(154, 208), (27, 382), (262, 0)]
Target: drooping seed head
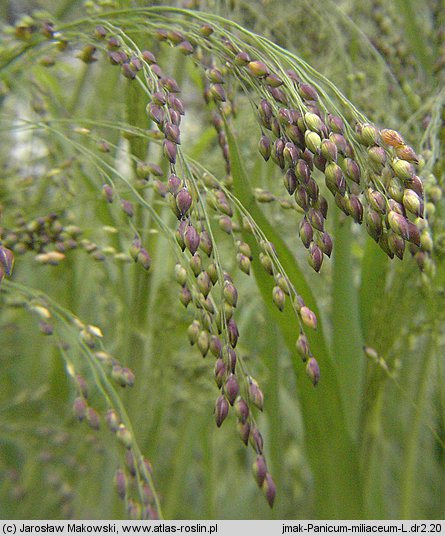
[(315, 257), (186, 48), (226, 224), (355, 208), (196, 264), (259, 469), (217, 93), (172, 133), (170, 151), (175, 103), (219, 372), (313, 370), (156, 113), (231, 388), (316, 219), (265, 111), (185, 296), (212, 270), (329, 150), (405, 152), (203, 343), (174, 184), (396, 244), (398, 224), (244, 263), (120, 481), (308, 317), (302, 345), (170, 84), (303, 171), (302, 198), (205, 243), (258, 69), (426, 242), (243, 431), (135, 248), (204, 284), (191, 239), (128, 71), (112, 420), (108, 193), (269, 489), (255, 394), (193, 331), (391, 138), (314, 123), (206, 30), (144, 259), (414, 233), (183, 201), (264, 147), (376, 200), (374, 224), (149, 57), (241, 409), (290, 181), (124, 436), (127, 207), (80, 408), (221, 410), (230, 294), (415, 183), (156, 70), (256, 439), (87, 54), (232, 332), (306, 232), (290, 153), (404, 170), (335, 123), (308, 92), (383, 243), (93, 419), (215, 345), (412, 202), (278, 297), (242, 59), (312, 141), (352, 170), (377, 158), (159, 98), (334, 178), (274, 80), (368, 134), (230, 358), (325, 243)]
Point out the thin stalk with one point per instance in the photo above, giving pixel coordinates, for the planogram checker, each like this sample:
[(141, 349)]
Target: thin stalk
[(347, 336), (409, 462)]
